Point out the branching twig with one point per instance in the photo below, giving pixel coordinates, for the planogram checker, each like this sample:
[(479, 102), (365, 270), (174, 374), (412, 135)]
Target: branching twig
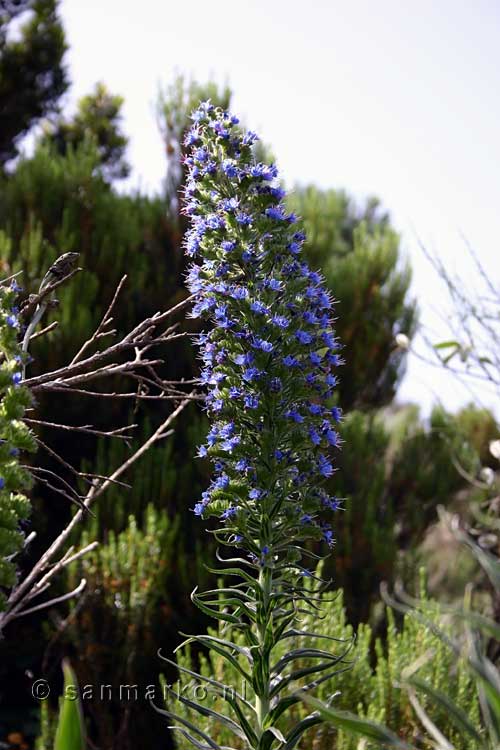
[(22, 592), (128, 359)]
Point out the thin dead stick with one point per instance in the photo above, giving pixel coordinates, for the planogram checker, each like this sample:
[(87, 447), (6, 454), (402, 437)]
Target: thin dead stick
[(131, 394), (43, 331), (44, 582), (88, 429), (106, 319), (9, 278), (57, 600), (73, 497), (87, 476), (136, 338)]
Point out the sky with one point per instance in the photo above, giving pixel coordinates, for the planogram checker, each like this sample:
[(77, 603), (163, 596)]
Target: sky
[(395, 99)]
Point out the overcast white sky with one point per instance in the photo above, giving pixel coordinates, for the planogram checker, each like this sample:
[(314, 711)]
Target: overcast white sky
[(397, 99)]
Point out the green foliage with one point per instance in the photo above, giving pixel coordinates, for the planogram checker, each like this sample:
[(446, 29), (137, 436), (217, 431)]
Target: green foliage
[(15, 437), (133, 581), (387, 504), (373, 692), (127, 573), (359, 253), (56, 203), (70, 730), (481, 428), (98, 119), (47, 730), (464, 713), (32, 75)]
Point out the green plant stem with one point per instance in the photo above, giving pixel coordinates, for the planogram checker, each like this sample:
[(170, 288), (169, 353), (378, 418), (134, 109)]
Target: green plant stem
[(263, 662)]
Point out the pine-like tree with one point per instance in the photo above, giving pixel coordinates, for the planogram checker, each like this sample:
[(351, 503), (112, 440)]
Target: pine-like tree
[(98, 120), (32, 73)]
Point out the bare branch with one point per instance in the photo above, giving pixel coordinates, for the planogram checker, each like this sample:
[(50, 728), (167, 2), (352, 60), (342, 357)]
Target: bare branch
[(87, 429), (21, 593), (57, 600), (45, 330), (106, 320)]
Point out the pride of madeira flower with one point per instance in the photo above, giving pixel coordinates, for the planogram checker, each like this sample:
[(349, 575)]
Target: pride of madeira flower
[(268, 365), (270, 356)]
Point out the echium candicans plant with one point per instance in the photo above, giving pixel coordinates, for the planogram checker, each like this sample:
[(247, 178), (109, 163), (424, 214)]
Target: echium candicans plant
[(15, 437), (269, 363)]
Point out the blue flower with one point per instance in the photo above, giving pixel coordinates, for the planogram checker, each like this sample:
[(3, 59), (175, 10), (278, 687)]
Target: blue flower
[(336, 413), (12, 321), (251, 401), (229, 168), (251, 374), (275, 284), (315, 408), (280, 321), (266, 346), (325, 467), (332, 437), (328, 537), (17, 378), (228, 245), (2, 483), (303, 337), (276, 212), (315, 436), (294, 415), (249, 138), (271, 424), (201, 154), (15, 286), (231, 444), (243, 218), (221, 482), (258, 307), (239, 292)]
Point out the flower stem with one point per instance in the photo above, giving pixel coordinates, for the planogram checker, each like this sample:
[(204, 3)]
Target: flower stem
[(262, 664)]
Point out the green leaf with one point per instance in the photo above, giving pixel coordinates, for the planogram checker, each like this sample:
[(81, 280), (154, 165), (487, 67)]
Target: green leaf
[(447, 344), (210, 713), (455, 713), (70, 731), (186, 723), (301, 727), (268, 738), (304, 653), (356, 725), (214, 644)]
